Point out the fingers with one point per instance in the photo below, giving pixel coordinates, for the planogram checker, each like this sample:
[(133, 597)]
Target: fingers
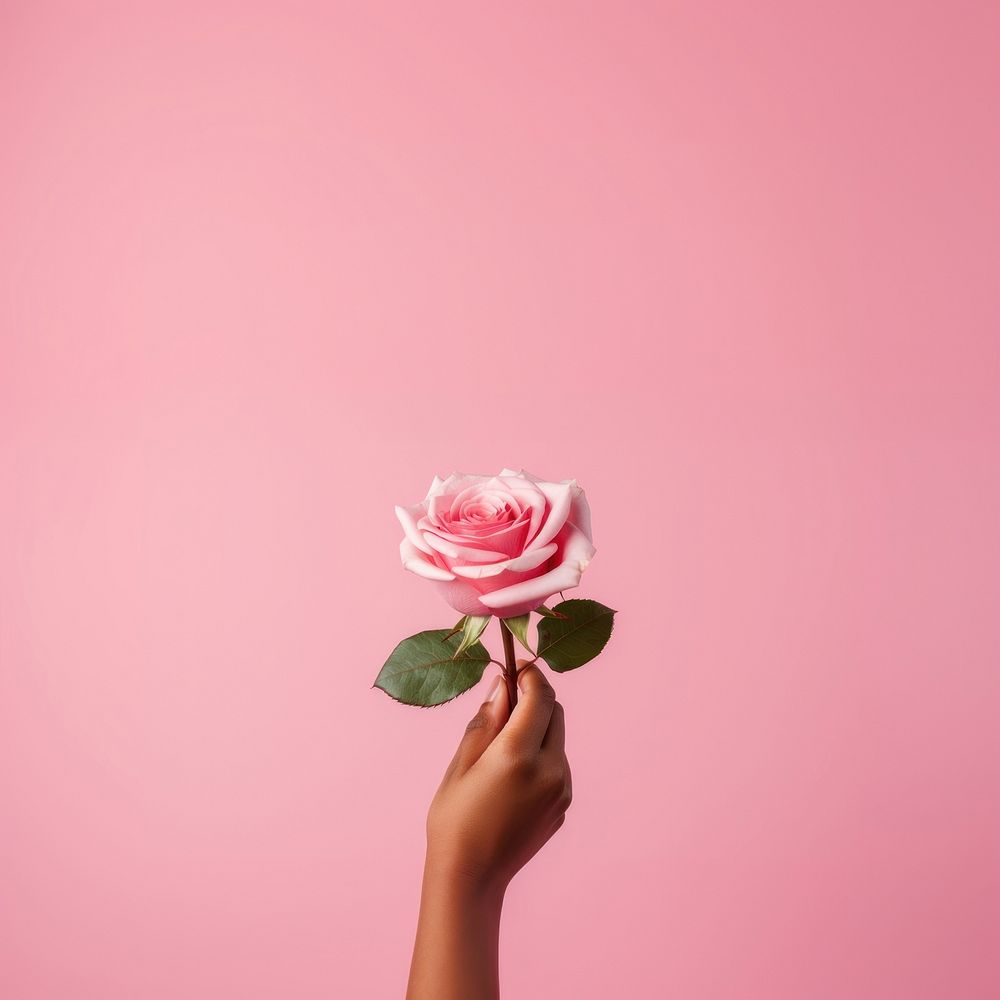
[(554, 740), (554, 748), (485, 725), (531, 715)]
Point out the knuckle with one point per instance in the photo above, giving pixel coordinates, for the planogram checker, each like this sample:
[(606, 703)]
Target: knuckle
[(553, 783), (480, 721), (523, 766)]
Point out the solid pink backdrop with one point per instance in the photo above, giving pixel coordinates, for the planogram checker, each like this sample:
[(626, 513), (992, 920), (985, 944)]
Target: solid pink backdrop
[(266, 268)]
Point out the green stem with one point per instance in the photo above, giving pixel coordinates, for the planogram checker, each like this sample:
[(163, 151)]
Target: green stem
[(510, 670)]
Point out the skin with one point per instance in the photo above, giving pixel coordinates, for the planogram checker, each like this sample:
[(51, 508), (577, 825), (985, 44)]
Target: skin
[(503, 796)]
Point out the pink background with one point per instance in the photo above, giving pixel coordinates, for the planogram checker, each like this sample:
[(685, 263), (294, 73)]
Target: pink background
[(266, 268)]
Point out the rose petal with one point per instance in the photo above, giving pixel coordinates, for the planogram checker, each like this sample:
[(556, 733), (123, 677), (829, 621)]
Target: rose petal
[(481, 570), (417, 563), (577, 553), (533, 559), (508, 539), (560, 498), (580, 512), (439, 499), (521, 474), (490, 493), (474, 531), (463, 597), (464, 552), (522, 564), (408, 519), (532, 498)]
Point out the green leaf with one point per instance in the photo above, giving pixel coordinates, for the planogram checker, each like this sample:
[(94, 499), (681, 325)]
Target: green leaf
[(570, 642), (426, 669), (547, 612), (518, 626), (472, 629)]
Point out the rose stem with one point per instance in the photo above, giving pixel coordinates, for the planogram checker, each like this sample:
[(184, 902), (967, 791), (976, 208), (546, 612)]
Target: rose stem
[(509, 671)]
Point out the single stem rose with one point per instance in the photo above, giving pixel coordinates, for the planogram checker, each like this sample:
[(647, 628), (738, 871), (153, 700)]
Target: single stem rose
[(510, 670)]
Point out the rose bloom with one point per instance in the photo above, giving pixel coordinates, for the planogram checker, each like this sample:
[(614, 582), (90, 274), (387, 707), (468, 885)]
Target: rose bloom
[(498, 545)]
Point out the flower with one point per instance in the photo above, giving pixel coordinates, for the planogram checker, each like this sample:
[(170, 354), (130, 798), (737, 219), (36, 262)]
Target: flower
[(498, 545)]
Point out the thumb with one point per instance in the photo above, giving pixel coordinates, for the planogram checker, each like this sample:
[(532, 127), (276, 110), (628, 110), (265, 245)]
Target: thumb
[(483, 728)]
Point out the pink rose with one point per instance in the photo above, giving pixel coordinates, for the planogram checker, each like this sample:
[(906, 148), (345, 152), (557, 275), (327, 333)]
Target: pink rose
[(498, 545)]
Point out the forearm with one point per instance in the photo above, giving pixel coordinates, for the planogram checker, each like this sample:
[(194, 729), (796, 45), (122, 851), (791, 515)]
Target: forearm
[(455, 956), (505, 793)]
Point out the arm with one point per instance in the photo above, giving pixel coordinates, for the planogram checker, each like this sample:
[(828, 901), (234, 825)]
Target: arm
[(503, 796)]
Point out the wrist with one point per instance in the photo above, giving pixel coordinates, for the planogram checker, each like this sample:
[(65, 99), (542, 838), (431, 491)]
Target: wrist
[(464, 883), (455, 956)]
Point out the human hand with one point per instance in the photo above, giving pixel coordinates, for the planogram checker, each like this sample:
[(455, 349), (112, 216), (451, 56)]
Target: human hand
[(506, 790), (503, 796)]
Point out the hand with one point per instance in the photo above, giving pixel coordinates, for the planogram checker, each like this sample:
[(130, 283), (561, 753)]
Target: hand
[(507, 789), (503, 796)]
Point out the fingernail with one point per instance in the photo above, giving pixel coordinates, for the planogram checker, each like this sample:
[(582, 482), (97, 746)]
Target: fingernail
[(494, 689)]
